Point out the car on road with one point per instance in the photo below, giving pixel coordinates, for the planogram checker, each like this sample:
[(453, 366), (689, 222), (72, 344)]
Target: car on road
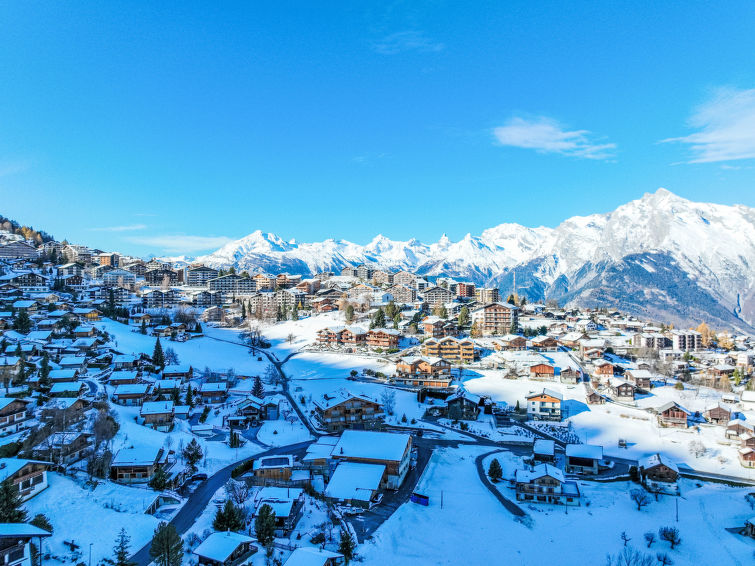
[(199, 477)]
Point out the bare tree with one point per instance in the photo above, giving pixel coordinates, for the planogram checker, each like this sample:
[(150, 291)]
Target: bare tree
[(630, 557), (649, 538), (697, 448), (663, 559), (238, 491), (625, 538), (640, 498), (670, 535), (388, 398), (290, 338)]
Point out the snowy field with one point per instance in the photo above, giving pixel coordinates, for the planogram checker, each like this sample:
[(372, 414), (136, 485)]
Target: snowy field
[(606, 424), (474, 528)]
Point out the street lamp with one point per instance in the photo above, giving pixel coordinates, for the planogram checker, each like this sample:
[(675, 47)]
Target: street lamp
[(90, 553)]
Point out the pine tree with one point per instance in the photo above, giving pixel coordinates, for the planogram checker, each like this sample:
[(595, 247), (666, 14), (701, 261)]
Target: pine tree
[(495, 472), (229, 518), (463, 317), (167, 547), (189, 397), (143, 329), (22, 322), (346, 546), (10, 503), (193, 454), (264, 525), (378, 319), (40, 520), (121, 550), (158, 358), (294, 313), (159, 481), (257, 389), (349, 314)]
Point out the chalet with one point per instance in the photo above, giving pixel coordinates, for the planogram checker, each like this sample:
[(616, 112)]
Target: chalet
[(65, 409), (672, 415), (382, 448), (545, 484), (309, 556), (123, 378), (595, 398), (68, 389), (63, 448), (273, 468), (659, 474), (355, 483), (16, 541), (63, 375), (353, 335), (14, 415), (737, 427), (542, 371), (73, 362), (140, 318), (545, 405), (642, 378), (430, 373), (330, 335), (621, 390), (604, 368), (570, 375), (158, 415), (718, 414), (131, 394), (747, 456), (463, 405), (88, 314), (225, 549), (166, 388), (213, 392), (287, 504), (29, 476), (124, 361), (384, 338), (343, 410), (583, 458), (544, 343), (138, 464), (511, 342), (437, 327), (252, 409), (179, 372), (544, 451), (458, 350)]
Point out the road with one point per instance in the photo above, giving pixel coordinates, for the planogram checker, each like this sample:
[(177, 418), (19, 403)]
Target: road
[(512, 507), (198, 501)]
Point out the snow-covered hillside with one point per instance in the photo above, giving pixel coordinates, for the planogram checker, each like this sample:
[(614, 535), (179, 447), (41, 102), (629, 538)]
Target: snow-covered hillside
[(709, 247)]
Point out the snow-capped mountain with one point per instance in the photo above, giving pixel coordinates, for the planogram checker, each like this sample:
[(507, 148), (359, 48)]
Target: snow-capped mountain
[(660, 255)]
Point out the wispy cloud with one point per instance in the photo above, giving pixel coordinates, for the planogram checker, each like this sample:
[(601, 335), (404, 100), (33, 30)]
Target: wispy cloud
[(726, 127), (10, 167), (546, 135), (180, 243), (403, 41), (129, 228)]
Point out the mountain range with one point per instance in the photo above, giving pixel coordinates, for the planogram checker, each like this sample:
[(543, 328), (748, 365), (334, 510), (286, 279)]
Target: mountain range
[(661, 257)]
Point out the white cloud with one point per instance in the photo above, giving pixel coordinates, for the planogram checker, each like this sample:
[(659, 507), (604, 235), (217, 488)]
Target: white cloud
[(546, 135), (181, 243), (402, 41), (129, 228), (726, 127)]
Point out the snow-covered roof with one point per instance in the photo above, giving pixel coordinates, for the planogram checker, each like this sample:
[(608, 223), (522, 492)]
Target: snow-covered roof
[(656, 460), (539, 471), (543, 446), (339, 396), (307, 556), (353, 480), (157, 407), (372, 445), (588, 451), (66, 387), (10, 466), (140, 455), (13, 530), (220, 546), (132, 389)]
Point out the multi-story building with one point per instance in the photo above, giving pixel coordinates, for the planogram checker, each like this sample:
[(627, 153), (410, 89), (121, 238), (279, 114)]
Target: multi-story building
[(160, 298), (385, 338), (495, 318), (18, 250), (232, 284), (343, 410), (402, 293), (364, 272), (198, 276), (459, 350), (651, 340), (686, 340), (264, 282), (437, 296), (16, 540), (486, 296), (382, 448), (118, 278), (425, 372), (544, 406), (545, 484), (466, 290)]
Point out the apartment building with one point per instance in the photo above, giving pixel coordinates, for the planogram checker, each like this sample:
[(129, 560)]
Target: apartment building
[(495, 318)]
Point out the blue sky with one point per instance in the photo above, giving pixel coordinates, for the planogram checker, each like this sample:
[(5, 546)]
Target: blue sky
[(157, 128)]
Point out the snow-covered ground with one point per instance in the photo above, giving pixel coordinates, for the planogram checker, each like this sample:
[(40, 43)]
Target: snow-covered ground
[(283, 432), (606, 424), (472, 527)]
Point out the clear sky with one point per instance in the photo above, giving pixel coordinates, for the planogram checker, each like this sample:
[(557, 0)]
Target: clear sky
[(159, 127)]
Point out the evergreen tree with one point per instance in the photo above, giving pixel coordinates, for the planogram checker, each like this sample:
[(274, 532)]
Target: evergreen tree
[(514, 327), (463, 317), (229, 518), (158, 358), (391, 310), (264, 525), (378, 319), (10, 503), (159, 481), (495, 472), (192, 453), (121, 550), (143, 329), (189, 397), (346, 546), (294, 313), (257, 389), (42, 522), (167, 547), (22, 322), (349, 313)]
